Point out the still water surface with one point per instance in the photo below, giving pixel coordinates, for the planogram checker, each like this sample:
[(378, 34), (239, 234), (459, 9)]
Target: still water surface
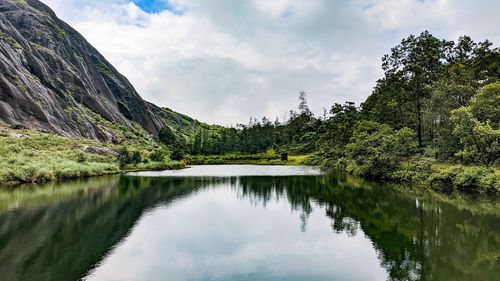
[(243, 223)]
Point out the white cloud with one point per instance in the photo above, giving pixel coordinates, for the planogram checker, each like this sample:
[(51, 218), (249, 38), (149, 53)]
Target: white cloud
[(222, 61), (287, 8)]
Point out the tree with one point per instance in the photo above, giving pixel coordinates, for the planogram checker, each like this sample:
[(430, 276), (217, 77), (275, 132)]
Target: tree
[(463, 76), (486, 104), (337, 130), (477, 127), (445, 97), (303, 107), (486, 63), (417, 62), (390, 103), (197, 143)]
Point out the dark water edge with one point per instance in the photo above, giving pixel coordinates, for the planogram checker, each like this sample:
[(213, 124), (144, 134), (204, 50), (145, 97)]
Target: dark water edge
[(64, 231)]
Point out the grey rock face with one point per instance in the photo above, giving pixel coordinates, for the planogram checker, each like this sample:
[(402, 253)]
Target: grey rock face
[(52, 79), (100, 150)]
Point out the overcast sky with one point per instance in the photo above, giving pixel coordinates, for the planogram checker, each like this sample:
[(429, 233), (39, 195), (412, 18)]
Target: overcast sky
[(222, 61)]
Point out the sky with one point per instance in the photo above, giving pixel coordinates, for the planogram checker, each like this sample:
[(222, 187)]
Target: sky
[(222, 61)]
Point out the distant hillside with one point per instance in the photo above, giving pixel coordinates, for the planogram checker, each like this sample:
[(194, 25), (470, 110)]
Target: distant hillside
[(52, 79)]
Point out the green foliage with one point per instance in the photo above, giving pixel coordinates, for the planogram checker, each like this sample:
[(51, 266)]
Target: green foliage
[(16, 45), (376, 149), (446, 96), (81, 157), (168, 137), (11, 41), (474, 180), (480, 143), (128, 157), (197, 144), (337, 130), (307, 143), (486, 105), (389, 104), (415, 64), (416, 170), (430, 86), (303, 107), (260, 158), (177, 154), (36, 157), (159, 155), (425, 79)]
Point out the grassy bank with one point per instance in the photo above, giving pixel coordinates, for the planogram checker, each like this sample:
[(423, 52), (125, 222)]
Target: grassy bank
[(480, 180), (252, 159), (430, 173), (32, 156), (449, 178)]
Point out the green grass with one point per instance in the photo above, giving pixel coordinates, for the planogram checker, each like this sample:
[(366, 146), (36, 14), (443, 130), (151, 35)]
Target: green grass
[(267, 158), (297, 160), (41, 157)]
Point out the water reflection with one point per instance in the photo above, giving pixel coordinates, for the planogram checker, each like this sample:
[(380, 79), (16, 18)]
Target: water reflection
[(244, 228)]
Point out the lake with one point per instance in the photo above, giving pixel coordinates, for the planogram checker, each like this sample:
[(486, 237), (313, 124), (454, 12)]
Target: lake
[(243, 223)]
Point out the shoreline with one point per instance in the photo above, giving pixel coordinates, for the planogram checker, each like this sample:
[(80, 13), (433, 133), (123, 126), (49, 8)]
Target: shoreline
[(28, 156), (14, 184), (436, 180)]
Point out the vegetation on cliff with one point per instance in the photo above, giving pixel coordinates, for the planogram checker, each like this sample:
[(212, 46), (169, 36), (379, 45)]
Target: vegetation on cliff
[(33, 156)]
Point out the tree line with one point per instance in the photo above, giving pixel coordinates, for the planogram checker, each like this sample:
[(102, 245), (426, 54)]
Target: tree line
[(437, 99), (297, 134)]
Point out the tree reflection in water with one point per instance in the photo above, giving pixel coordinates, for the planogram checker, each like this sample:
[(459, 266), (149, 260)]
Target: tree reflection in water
[(55, 234), (417, 236)]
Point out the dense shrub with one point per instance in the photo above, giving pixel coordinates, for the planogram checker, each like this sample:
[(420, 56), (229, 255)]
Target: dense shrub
[(376, 149), (158, 155), (81, 157), (261, 158), (473, 180), (177, 154), (415, 170), (128, 157), (168, 137)]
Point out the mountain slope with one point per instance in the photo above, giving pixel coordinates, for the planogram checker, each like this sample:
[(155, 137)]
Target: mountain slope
[(52, 79)]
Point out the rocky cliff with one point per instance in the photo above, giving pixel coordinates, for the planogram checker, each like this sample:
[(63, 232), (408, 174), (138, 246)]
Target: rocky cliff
[(52, 79)]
